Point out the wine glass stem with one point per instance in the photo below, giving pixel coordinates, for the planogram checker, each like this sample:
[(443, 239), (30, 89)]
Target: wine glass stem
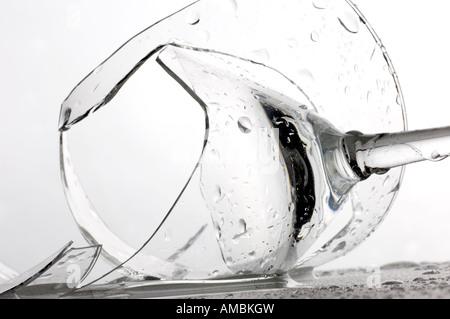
[(369, 154)]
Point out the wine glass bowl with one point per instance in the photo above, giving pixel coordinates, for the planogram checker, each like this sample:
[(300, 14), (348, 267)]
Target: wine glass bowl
[(324, 49)]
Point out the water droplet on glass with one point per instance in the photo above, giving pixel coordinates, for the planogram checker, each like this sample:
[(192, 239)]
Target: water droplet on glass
[(213, 155), (261, 56), (304, 232), (292, 43), (243, 226), (321, 4), (192, 17), (276, 215), (393, 283), (388, 111), (339, 247), (315, 36), (232, 4), (378, 84), (245, 125), (347, 90), (241, 232), (369, 97), (167, 235), (291, 207), (260, 97), (386, 180), (218, 194), (226, 7), (349, 21), (436, 156), (205, 35), (306, 75), (432, 270), (419, 279), (98, 69)]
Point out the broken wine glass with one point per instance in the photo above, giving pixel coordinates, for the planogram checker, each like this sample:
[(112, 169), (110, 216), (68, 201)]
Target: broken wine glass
[(284, 181)]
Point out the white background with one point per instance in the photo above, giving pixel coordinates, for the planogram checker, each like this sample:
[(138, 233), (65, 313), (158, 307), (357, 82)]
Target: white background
[(48, 46)]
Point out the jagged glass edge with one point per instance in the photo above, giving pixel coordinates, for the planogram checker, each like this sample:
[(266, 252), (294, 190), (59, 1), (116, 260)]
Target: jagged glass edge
[(21, 284), (29, 276)]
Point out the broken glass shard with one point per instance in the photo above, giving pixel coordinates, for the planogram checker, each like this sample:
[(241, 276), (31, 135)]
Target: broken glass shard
[(59, 274), (27, 277)]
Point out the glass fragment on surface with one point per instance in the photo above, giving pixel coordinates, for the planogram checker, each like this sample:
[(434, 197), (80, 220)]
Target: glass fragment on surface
[(60, 273), (127, 288)]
